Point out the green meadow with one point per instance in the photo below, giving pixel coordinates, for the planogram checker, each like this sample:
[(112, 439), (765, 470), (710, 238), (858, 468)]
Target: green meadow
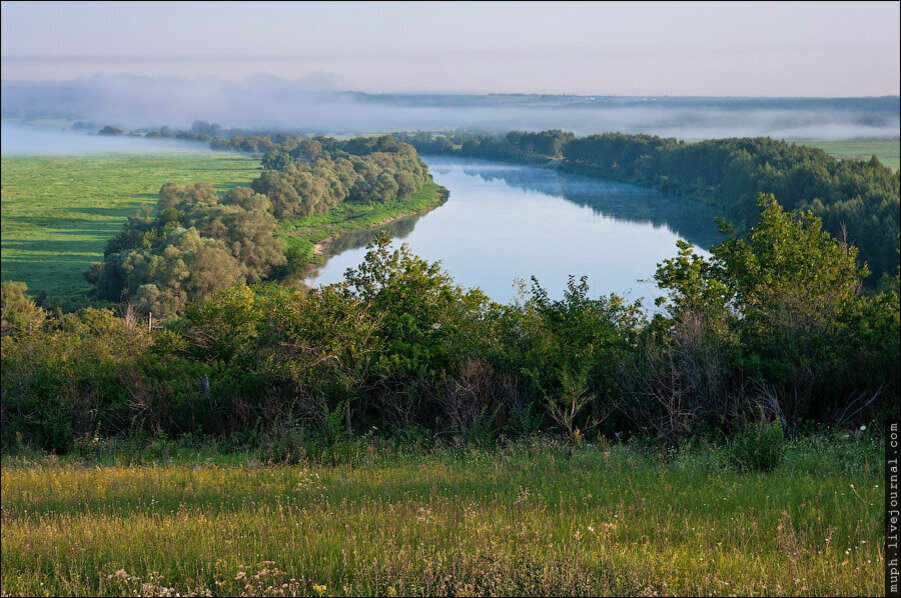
[(530, 518), (888, 151), (59, 211)]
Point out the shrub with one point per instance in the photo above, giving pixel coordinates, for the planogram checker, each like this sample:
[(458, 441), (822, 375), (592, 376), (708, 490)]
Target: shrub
[(759, 447), (17, 310)]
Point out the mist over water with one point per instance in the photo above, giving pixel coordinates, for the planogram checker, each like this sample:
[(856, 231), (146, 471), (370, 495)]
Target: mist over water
[(267, 102)]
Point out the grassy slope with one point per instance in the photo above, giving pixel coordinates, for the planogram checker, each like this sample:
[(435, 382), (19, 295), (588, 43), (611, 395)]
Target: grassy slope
[(532, 519), (58, 212), (887, 150)]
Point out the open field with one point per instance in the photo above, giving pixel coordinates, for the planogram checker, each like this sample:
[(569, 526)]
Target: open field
[(59, 211), (887, 150), (525, 519)]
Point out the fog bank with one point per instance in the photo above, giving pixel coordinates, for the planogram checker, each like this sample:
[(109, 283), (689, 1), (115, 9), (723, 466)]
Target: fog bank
[(267, 102), (47, 140)]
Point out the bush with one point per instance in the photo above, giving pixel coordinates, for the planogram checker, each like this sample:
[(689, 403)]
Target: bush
[(759, 447)]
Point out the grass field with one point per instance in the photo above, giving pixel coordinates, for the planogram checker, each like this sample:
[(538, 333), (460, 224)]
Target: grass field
[(887, 150), (58, 212), (525, 519)]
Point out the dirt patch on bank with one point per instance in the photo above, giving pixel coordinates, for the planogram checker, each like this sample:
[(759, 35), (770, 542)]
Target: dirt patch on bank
[(319, 248)]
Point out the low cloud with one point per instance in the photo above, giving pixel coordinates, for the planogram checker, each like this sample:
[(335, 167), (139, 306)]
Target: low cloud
[(315, 104), (54, 140)]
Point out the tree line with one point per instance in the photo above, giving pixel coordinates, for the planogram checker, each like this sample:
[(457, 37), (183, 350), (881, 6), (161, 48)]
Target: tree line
[(310, 176), (857, 200), (773, 326)]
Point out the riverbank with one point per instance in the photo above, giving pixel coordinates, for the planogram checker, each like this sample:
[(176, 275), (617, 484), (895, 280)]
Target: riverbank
[(319, 248), (312, 235)]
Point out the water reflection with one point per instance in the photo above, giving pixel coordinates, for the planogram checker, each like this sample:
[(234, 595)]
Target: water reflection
[(691, 221), (504, 222), (398, 229)]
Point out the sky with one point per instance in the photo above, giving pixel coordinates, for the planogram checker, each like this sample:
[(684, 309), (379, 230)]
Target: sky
[(814, 49)]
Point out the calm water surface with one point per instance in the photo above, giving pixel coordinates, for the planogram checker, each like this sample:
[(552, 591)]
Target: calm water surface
[(504, 222)]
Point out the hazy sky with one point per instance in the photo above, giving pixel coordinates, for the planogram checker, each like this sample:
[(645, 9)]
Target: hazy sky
[(609, 48)]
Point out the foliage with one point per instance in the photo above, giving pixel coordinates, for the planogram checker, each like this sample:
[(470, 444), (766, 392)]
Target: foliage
[(759, 447), (780, 311), (199, 242), (65, 380), (317, 175), (110, 131), (17, 311), (570, 348), (420, 307), (428, 326), (773, 324)]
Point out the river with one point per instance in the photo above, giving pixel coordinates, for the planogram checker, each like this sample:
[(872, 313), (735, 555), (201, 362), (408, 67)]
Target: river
[(505, 222)]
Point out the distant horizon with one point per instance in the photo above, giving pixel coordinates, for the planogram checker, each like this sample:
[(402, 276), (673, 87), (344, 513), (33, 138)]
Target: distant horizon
[(441, 92)]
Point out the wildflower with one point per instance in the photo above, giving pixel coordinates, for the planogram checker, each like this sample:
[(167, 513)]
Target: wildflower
[(862, 428), (319, 589)]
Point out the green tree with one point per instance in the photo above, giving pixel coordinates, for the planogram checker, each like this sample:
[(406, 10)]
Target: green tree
[(570, 348), (425, 316), (322, 340), (17, 311), (276, 159), (785, 295), (110, 131)]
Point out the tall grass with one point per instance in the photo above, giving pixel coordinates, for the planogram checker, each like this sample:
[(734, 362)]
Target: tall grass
[(523, 519)]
